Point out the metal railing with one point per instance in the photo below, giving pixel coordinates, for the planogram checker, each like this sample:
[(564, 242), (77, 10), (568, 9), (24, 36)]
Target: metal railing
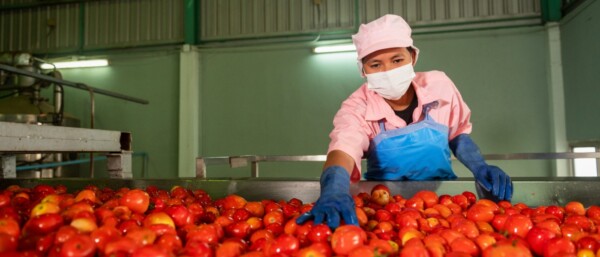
[(255, 160)]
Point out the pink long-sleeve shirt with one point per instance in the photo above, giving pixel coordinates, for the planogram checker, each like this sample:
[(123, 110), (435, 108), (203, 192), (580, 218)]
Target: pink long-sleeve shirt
[(357, 121)]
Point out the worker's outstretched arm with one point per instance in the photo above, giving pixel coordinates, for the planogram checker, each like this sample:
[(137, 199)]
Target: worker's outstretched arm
[(490, 178), (335, 202)]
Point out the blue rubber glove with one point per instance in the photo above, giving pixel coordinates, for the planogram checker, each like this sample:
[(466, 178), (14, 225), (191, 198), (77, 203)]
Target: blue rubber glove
[(489, 178), (335, 199)]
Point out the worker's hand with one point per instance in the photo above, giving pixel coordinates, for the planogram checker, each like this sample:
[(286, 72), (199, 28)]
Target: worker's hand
[(494, 182), (335, 200)]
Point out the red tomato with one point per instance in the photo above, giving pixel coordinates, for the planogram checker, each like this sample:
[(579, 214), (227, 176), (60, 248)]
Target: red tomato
[(319, 233), (239, 229), (414, 248), (310, 252), (467, 228), (180, 214), (471, 197), (124, 246), (10, 226), (273, 217), (60, 189), (580, 221), (558, 245), (65, 233), (286, 245), (430, 198), (347, 237), (508, 247), (480, 212), (445, 199), (141, 236), (7, 243), (461, 200), (551, 225), (150, 250), (4, 200), (465, 245), (9, 213), (593, 212), (362, 251), (80, 246), (208, 233), (380, 194), (196, 248), (169, 242), (383, 247), (103, 235), (241, 215), (588, 242), (556, 211), (538, 238), (484, 241), (44, 244), (575, 207), (383, 215), (255, 209), (86, 194), (44, 223), (234, 202), (518, 224), (136, 200), (127, 225)]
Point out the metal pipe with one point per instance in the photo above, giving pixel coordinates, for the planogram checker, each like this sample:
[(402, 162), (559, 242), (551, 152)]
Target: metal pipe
[(72, 84)]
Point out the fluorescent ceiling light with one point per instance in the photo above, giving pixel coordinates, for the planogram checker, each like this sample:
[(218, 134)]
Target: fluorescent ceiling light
[(76, 64), (334, 48)]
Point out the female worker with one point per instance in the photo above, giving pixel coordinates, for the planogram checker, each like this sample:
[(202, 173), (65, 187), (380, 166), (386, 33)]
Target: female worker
[(404, 122)]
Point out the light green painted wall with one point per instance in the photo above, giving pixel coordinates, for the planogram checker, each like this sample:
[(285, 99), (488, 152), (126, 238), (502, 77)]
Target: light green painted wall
[(581, 51), (281, 101), (153, 76)]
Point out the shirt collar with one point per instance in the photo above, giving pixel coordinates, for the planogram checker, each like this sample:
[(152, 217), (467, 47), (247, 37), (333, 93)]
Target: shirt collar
[(378, 108)]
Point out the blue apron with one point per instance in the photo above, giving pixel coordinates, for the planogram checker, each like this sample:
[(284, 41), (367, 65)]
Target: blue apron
[(418, 151)]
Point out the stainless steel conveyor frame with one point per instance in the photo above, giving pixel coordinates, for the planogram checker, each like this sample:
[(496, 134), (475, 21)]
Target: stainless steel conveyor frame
[(18, 138), (255, 160)]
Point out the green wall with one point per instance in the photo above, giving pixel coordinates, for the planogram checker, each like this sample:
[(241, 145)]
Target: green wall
[(153, 76), (281, 100), (581, 51)]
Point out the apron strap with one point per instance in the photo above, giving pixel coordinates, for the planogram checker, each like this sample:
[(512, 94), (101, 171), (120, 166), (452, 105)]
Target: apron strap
[(381, 126), (427, 107)]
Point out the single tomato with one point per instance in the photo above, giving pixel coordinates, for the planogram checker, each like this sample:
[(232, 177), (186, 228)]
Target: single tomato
[(347, 237), (81, 246), (136, 200)]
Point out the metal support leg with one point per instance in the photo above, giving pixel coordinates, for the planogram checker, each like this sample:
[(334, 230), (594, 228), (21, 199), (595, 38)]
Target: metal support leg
[(8, 166), (254, 169), (200, 168), (119, 165)]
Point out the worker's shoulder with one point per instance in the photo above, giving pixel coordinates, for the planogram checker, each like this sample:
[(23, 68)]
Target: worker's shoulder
[(434, 76), (434, 80), (358, 99)]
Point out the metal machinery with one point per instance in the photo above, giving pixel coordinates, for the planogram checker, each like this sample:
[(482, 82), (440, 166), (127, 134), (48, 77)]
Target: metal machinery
[(50, 138), (21, 101)]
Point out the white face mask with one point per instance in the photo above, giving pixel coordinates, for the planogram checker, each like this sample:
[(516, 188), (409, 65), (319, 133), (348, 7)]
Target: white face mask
[(391, 84)]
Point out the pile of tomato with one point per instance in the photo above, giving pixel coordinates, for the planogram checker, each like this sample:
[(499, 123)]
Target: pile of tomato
[(50, 221)]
